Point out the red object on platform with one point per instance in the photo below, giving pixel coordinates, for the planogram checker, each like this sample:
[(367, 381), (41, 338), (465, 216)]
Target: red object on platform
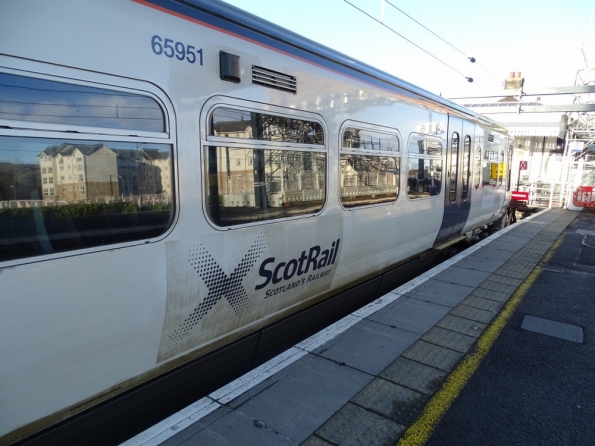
[(584, 196), (520, 196)]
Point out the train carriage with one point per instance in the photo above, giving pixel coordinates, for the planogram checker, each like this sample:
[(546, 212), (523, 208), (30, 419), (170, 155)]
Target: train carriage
[(185, 189)]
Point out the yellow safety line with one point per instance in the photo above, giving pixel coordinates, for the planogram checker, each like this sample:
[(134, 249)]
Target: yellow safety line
[(420, 431)]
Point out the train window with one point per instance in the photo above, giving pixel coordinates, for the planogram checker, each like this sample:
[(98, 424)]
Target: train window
[(453, 173), (509, 162), (369, 167), (490, 169), (39, 100), (244, 124), (255, 181), (466, 167), (424, 167), (99, 197), (501, 168), (477, 169)]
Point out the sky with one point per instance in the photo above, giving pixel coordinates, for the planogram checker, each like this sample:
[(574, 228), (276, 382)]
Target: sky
[(542, 39)]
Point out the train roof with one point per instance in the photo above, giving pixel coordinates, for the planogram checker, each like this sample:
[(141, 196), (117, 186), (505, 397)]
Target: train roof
[(238, 22)]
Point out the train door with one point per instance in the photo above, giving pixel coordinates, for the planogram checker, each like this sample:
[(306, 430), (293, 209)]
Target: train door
[(457, 197)]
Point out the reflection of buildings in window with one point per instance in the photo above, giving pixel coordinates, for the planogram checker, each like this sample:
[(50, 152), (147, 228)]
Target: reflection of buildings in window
[(106, 172)]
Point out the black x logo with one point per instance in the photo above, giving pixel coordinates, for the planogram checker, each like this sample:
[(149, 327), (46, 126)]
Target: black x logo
[(219, 285)]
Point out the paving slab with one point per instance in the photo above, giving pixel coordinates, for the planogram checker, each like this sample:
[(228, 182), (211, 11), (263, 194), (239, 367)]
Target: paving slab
[(450, 339), (413, 315), (461, 325), (506, 245), (371, 348), (316, 441), (233, 429), (306, 398), (270, 381), (395, 402), (484, 304), (204, 423), (436, 291), (414, 375), (462, 276), (356, 426), (480, 263), (494, 285), (474, 314), (433, 355), (485, 293), (493, 253)]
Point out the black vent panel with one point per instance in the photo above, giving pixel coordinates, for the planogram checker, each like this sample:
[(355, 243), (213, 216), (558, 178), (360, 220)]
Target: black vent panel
[(273, 79)]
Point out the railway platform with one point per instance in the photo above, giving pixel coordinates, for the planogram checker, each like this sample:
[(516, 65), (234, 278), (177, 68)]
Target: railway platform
[(489, 347)]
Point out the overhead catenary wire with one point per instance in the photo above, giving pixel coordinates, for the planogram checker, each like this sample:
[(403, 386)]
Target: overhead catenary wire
[(471, 58), (468, 78)]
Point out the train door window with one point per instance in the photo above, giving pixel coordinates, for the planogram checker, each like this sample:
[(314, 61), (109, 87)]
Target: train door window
[(369, 166), (509, 163), (453, 171), (466, 167), (477, 168), (490, 169), (501, 168), (262, 166), (424, 166), (89, 148)]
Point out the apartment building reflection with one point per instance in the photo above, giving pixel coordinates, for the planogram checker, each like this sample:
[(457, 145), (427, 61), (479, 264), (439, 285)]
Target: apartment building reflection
[(95, 172)]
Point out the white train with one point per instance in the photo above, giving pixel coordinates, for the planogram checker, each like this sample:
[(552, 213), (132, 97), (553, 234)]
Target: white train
[(185, 189)]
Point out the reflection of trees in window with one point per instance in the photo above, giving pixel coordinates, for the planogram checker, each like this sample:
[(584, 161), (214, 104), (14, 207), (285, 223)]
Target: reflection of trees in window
[(369, 167), (245, 124), (354, 138)]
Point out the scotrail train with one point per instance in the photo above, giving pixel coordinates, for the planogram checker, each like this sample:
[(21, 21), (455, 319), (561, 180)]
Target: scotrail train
[(186, 188)]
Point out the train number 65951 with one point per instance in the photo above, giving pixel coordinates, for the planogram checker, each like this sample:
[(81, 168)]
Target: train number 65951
[(169, 48)]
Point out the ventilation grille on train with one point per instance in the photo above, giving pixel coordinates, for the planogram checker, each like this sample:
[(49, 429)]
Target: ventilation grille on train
[(491, 138), (273, 79)]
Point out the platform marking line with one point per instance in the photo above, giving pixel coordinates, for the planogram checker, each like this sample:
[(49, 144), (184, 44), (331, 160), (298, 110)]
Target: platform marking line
[(421, 430), (170, 426)]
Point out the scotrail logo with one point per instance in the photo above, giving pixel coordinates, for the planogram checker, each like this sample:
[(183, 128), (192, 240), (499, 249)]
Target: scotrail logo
[(310, 266), (315, 260)]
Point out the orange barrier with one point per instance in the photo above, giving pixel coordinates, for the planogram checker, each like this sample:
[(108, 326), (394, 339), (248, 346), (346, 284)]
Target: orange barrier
[(584, 197)]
